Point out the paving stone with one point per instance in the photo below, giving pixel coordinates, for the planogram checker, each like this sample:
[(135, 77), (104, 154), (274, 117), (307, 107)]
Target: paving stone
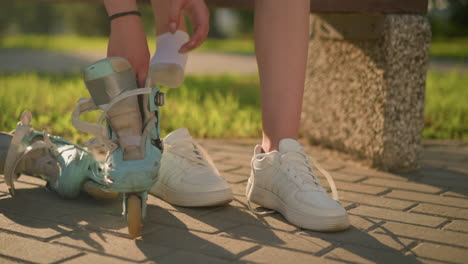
[(355, 236), (274, 255), (268, 237), (226, 167), (96, 233), (428, 198), (212, 245), (374, 200), (99, 259), (357, 254), (233, 177), (359, 171), (397, 216), (21, 185), (186, 221), (274, 221), (456, 194), (99, 221), (441, 211), (24, 204), (31, 180), (8, 260), (109, 245), (456, 182), (440, 252), (363, 222), (412, 186), (424, 233), (355, 187), (239, 188), (181, 256), (457, 225), (32, 250), (27, 226), (341, 175)]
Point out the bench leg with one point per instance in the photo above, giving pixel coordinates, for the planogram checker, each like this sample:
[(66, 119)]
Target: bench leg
[(365, 86)]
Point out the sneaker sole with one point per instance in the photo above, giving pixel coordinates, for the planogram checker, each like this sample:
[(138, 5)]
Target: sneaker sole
[(192, 199), (269, 200)]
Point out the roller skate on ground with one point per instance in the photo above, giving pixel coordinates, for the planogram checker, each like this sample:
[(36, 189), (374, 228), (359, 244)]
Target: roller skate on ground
[(188, 176), (284, 181), (131, 136), (67, 168)]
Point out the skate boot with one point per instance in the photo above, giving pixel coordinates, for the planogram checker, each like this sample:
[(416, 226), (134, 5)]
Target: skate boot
[(131, 136), (67, 168)]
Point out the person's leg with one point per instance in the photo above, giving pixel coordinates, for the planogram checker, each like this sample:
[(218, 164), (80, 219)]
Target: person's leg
[(187, 176), (167, 65), (282, 178), (281, 44)]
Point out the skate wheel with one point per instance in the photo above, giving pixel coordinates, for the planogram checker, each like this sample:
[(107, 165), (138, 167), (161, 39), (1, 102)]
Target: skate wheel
[(134, 219)]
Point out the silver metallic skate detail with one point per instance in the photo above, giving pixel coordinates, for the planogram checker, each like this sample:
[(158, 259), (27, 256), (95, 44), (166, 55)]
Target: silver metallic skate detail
[(5, 140), (86, 105), (160, 99), (108, 78), (17, 153), (102, 90), (22, 129)]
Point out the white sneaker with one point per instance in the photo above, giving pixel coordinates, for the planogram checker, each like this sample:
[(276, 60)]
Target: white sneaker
[(285, 182), (187, 176)]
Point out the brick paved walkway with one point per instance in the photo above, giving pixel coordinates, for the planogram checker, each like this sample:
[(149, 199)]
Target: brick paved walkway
[(419, 217)]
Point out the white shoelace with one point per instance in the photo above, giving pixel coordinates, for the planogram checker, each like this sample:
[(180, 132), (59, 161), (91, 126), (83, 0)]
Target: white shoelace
[(299, 165), (191, 151)]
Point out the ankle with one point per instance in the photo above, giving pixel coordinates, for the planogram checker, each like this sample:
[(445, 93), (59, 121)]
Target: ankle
[(267, 147)]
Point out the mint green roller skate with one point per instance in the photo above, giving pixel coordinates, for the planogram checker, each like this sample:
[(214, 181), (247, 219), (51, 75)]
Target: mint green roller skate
[(131, 136), (67, 168)]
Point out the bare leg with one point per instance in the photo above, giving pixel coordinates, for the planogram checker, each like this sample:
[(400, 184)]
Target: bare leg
[(281, 44), (161, 17)]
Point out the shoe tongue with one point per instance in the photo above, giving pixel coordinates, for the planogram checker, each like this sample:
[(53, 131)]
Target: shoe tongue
[(177, 135), (288, 144)]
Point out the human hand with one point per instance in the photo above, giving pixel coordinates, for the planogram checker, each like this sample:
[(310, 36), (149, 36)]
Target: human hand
[(128, 40), (199, 16)]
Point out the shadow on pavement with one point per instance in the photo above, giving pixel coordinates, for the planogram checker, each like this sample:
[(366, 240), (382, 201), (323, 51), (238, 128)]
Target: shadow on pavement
[(444, 165)]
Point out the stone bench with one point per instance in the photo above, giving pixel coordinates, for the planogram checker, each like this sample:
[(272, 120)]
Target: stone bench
[(366, 77)]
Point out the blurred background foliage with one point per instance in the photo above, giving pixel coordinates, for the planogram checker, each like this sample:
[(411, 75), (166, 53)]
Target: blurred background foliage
[(90, 19), (449, 18)]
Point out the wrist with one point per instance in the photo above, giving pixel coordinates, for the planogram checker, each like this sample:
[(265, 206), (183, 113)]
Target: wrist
[(129, 20), (119, 6)]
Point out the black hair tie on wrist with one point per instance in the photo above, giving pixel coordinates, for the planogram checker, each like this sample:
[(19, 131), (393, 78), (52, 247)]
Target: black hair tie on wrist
[(124, 14)]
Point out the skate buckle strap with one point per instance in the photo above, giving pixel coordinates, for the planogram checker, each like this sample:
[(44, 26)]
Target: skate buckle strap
[(17, 151), (14, 152), (86, 105)]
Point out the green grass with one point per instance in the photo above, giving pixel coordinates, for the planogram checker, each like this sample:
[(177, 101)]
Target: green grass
[(446, 111), (216, 107), (210, 106), (89, 44), (53, 42), (450, 48)]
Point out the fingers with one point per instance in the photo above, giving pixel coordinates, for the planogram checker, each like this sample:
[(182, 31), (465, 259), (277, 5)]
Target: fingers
[(141, 77), (174, 14), (199, 16)]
